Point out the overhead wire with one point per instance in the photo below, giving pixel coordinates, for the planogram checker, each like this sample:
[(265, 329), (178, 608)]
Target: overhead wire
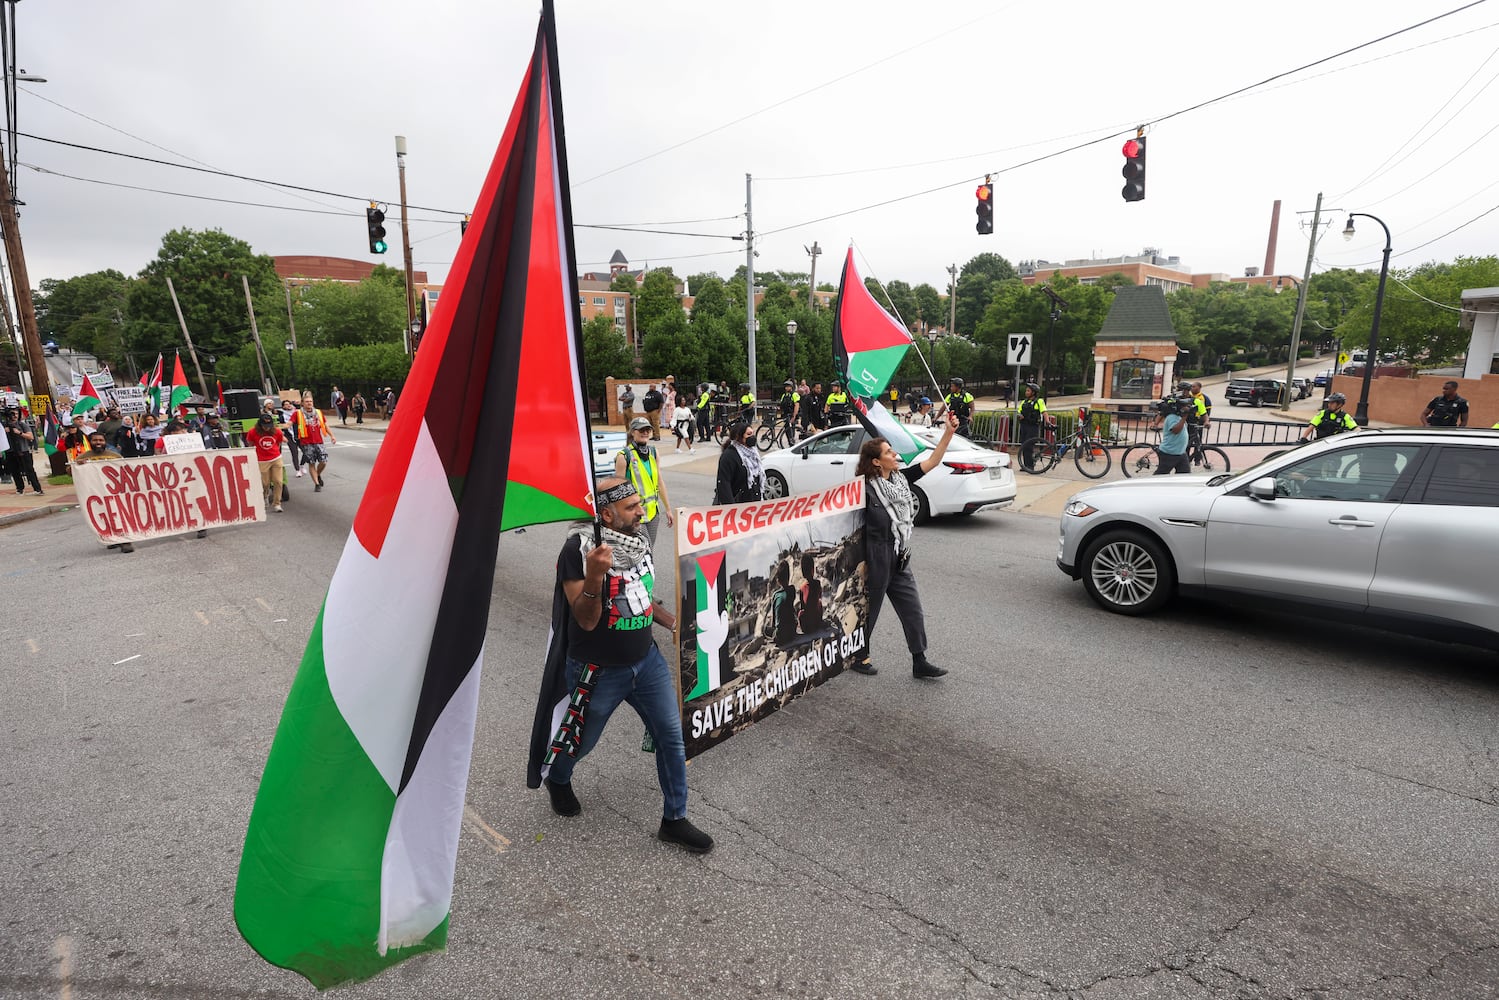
[(1439, 167), (1149, 122)]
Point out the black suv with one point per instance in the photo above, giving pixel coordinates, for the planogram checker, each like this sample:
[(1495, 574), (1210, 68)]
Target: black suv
[(1254, 391)]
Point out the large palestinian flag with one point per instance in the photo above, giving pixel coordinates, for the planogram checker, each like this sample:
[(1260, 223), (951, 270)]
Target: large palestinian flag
[(349, 858), (177, 395)]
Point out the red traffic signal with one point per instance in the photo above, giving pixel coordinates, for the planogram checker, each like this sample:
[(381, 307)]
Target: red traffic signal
[(983, 192), (985, 209), (1134, 169)]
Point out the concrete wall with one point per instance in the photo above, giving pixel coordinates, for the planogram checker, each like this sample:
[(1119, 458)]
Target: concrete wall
[(1401, 400)]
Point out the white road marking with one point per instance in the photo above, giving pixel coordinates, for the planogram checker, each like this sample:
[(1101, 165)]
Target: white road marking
[(127, 659), (484, 831)]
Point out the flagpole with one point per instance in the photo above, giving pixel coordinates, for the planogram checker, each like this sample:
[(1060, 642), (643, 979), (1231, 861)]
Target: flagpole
[(191, 350), (570, 263)]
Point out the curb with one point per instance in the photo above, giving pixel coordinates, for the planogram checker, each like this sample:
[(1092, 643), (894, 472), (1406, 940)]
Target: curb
[(20, 516)]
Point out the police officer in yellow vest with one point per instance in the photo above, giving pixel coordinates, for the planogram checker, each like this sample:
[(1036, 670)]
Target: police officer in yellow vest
[(959, 402), (838, 408), (638, 463), (1331, 419)]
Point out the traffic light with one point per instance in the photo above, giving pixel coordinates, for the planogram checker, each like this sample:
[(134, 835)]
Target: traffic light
[(1134, 169), (985, 209), (376, 222)]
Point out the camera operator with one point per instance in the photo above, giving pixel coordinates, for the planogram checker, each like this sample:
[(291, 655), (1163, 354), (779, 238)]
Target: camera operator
[(1171, 418)]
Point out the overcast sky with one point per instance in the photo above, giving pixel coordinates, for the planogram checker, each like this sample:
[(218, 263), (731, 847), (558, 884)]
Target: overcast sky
[(832, 106)]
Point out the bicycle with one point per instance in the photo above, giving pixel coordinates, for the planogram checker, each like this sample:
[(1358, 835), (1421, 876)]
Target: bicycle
[(1088, 453), (776, 430), (1143, 459)]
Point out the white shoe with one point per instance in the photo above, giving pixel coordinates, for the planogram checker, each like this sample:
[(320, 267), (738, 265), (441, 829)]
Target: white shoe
[(277, 508), (299, 473)]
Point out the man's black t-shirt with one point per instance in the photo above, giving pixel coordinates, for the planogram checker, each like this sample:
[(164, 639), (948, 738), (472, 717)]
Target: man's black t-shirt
[(1444, 412), (623, 633), (652, 401)]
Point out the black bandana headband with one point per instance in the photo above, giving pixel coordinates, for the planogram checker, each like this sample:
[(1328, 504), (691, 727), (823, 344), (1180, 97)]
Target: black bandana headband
[(614, 494)]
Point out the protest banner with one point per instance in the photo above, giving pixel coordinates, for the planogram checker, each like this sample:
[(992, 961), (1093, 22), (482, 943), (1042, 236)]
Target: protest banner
[(772, 603), (39, 405), (135, 499), (10, 400), (178, 444), (131, 399)]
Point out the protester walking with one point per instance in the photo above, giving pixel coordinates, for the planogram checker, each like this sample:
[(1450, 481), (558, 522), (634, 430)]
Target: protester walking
[(265, 437), (681, 424), (603, 654), (289, 414), (359, 407), (889, 517), (741, 478), (313, 436)]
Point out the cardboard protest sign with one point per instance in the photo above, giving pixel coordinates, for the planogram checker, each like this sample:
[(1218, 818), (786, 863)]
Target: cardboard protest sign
[(773, 603), (134, 499), (178, 444)]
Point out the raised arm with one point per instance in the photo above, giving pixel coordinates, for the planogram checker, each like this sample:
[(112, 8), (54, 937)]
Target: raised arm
[(931, 461)]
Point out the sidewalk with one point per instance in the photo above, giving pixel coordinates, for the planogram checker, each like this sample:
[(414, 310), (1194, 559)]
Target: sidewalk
[(15, 507)]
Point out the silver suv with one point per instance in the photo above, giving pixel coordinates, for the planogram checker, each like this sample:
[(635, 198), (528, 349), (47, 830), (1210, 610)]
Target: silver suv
[(1394, 529)]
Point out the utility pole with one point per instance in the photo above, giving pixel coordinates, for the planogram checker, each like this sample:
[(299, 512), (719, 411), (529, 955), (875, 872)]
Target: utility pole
[(255, 332), (191, 350), (1311, 253), (36, 361), (291, 322), (749, 281), (406, 248), (814, 251), (952, 300)]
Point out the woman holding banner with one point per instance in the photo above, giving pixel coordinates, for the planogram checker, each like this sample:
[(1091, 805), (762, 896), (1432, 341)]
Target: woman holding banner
[(889, 517)]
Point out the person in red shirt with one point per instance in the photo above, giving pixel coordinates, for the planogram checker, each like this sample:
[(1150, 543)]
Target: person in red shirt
[(266, 438)]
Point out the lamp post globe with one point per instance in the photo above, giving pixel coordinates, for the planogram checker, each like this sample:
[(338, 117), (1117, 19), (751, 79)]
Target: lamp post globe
[(791, 332)]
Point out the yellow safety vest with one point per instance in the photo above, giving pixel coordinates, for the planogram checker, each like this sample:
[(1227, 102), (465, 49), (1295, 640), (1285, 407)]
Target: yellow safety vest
[(645, 475)]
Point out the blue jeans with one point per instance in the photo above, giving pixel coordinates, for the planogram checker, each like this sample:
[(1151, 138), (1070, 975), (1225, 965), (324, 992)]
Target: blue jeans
[(647, 687)]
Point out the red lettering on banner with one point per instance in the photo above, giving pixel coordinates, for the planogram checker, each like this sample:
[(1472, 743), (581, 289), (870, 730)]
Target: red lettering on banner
[(762, 515), (94, 509), (695, 534), (730, 524)]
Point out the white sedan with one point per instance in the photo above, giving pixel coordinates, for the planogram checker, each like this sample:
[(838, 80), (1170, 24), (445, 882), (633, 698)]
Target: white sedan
[(970, 478)]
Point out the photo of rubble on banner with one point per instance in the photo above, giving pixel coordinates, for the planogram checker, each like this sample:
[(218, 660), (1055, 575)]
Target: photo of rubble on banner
[(773, 603)]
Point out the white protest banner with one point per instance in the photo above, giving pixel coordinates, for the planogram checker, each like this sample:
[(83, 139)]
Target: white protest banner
[(181, 444), (773, 603), (134, 499), (131, 399)]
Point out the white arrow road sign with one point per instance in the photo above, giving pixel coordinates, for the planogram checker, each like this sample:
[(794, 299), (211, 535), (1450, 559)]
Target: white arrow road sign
[(1020, 350)]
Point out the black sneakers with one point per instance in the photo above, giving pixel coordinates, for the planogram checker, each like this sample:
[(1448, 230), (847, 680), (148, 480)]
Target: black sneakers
[(923, 668), (564, 802), (682, 833), (863, 666)]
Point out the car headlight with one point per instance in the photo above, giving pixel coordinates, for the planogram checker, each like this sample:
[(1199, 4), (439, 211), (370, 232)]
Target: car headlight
[(1079, 508)]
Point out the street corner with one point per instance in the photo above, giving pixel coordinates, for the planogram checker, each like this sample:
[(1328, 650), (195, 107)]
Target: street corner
[(16, 508), (1043, 496)]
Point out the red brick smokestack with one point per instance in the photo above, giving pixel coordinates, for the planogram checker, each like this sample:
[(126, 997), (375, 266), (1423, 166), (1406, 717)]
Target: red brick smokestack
[(1270, 247)]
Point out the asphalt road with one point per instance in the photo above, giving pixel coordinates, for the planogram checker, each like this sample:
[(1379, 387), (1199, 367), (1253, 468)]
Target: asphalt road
[(1208, 803)]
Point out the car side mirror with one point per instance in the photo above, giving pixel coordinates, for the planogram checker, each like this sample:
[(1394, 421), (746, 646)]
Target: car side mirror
[(1263, 489)]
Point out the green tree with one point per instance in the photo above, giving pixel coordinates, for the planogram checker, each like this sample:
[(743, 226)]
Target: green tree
[(85, 314), (674, 348), (976, 286), (341, 314), (930, 309), (657, 301), (624, 282), (1415, 323), (606, 353), (709, 297), (206, 269)]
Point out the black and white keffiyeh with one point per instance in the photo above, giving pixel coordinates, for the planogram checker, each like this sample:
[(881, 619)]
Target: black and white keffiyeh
[(894, 492), (752, 468)]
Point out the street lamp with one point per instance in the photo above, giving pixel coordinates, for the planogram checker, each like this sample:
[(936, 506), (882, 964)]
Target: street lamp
[(1361, 415), (291, 358), (791, 332)]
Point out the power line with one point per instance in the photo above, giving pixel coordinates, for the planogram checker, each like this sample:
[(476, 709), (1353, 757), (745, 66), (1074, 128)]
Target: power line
[(1174, 114), (1418, 246), (1439, 305), (1441, 166), (787, 100)]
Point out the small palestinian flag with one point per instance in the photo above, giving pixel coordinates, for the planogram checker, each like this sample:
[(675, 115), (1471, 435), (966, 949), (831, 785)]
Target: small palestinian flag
[(868, 343), (177, 398), (89, 399), (152, 381), (350, 855), (879, 422)]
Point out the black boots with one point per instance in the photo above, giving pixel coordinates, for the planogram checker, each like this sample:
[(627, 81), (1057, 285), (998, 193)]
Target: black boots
[(564, 802), (924, 669), (863, 666), (682, 833)]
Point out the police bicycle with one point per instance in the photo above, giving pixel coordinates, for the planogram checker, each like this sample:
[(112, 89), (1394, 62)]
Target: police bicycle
[(776, 432), (1041, 454)]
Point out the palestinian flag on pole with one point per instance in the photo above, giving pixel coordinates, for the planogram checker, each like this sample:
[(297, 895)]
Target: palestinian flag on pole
[(868, 346), (49, 429), (177, 397), (152, 381), (868, 343), (349, 858), (89, 399)]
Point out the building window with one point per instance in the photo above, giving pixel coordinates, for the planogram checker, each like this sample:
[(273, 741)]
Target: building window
[(619, 322), (598, 300), (582, 301)]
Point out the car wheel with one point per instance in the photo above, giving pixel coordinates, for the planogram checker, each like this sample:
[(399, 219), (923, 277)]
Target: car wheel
[(923, 506), (1128, 573), (1233, 402), (775, 485)]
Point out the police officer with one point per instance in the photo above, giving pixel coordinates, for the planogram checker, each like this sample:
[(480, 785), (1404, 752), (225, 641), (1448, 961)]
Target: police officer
[(838, 408), (704, 410), (1032, 412), (959, 402), (746, 403), (637, 461), (1331, 419), (1447, 410), (790, 404)]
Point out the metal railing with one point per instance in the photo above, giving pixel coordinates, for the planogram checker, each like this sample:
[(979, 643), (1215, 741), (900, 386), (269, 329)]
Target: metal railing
[(1122, 428)]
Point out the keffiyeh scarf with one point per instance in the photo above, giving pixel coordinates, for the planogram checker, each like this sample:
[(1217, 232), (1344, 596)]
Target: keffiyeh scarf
[(895, 494), (752, 468)]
